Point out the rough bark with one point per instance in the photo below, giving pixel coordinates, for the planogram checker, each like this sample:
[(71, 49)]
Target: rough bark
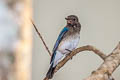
[(111, 62)]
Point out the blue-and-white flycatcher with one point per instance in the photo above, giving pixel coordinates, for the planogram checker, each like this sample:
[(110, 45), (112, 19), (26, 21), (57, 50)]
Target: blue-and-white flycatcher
[(67, 41)]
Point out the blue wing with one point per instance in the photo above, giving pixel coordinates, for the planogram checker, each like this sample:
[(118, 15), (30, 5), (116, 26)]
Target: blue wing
[(60, 37)]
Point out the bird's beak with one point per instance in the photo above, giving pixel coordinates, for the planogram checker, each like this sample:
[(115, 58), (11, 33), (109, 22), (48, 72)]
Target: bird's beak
[(69, 21), (66, 18)]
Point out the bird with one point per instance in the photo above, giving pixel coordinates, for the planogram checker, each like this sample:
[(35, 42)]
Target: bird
[(66, 42)]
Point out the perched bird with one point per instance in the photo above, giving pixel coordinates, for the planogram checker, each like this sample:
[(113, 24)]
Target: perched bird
[(67, 41)]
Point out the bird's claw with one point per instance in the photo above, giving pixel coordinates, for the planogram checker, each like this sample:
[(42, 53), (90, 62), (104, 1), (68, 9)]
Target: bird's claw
[(69, 52)]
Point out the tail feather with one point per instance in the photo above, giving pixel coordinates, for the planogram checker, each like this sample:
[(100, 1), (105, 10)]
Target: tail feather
[(50, 72)]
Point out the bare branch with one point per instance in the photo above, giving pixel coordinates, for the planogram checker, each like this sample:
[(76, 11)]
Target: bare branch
[(107, 68), (74, 52), (80, 49), (41, 37)]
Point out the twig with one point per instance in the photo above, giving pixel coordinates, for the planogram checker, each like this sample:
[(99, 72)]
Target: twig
[(41, 38)]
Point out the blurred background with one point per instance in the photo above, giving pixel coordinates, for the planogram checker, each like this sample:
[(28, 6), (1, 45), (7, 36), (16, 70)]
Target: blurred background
[(100, 20)]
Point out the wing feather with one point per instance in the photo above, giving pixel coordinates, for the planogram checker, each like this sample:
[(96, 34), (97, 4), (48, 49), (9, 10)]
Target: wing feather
[(60, 37)]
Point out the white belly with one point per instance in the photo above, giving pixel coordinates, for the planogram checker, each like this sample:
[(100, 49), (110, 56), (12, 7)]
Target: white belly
[(70, 43)]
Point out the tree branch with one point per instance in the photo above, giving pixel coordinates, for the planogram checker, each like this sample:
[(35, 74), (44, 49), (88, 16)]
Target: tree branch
[(107, 68), (41, 37), (76, 51)]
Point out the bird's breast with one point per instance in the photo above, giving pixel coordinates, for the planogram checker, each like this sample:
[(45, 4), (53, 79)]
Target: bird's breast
[(69, 43)]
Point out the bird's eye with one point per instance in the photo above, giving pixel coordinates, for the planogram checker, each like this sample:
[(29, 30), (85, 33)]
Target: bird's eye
[(74, 19)]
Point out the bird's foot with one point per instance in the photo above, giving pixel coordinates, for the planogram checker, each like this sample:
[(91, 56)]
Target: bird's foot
[(69, 52)]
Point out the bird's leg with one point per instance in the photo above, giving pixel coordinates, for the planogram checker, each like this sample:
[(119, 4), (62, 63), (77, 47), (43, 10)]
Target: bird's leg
[(68, 51)]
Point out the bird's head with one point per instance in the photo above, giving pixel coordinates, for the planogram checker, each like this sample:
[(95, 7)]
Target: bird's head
[(72, 20)]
